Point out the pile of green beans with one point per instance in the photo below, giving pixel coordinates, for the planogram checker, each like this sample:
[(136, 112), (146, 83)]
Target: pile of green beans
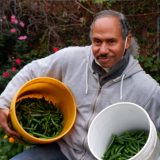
[(39, 117), (126, 145)]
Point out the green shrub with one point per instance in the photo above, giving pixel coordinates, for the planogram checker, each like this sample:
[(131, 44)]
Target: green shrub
[(151, 64)]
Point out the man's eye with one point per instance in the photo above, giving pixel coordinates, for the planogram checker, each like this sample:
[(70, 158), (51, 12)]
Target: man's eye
[(97, 42), (111, 42)]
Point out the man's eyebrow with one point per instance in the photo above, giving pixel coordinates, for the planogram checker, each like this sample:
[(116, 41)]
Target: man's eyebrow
[(111, 39)]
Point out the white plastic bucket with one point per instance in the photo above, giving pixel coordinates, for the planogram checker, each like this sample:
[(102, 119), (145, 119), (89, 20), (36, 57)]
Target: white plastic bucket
[(116, 119)]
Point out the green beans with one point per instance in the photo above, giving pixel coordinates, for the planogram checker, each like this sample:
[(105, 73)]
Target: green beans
[(126, 145), (39, 117)]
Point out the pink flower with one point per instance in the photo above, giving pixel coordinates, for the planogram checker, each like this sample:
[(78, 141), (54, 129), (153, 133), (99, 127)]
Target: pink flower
[(6, 74), (14, 21), (55, 49), (18, 61), (13, 16), (22, 38), (13, 30), (14, 69), (21, 23)]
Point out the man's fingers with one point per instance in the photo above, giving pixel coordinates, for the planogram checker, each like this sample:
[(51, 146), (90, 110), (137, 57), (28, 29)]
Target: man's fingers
[(10, 132)]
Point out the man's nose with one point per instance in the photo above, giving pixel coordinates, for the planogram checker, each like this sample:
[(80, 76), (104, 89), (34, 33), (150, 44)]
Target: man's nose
[(104, 48)]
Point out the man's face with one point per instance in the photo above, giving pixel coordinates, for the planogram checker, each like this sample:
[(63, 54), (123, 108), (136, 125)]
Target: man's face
[(108, 44)]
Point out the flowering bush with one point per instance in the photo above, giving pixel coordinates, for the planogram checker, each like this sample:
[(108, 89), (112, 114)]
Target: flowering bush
[(8, 72), (13, 44), (15, 64), (12, 38)]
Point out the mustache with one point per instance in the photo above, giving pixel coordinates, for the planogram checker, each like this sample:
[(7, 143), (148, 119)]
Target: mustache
[(103, 56)]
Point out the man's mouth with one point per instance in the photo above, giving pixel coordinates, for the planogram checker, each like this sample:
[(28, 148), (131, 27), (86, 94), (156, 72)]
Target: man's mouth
[(103, 56)]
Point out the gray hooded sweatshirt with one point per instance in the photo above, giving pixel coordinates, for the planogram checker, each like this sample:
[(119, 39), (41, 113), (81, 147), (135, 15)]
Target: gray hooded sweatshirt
[(73, 66)]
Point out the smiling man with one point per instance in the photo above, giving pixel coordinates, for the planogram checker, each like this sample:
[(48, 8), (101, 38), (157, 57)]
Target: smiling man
[(98, 75), (108, 45)]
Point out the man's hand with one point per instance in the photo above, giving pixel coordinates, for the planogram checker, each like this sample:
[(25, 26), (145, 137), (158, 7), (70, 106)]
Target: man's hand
[(4, 118)]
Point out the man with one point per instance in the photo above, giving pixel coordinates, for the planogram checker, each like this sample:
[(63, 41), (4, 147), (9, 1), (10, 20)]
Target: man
[(98, 75)]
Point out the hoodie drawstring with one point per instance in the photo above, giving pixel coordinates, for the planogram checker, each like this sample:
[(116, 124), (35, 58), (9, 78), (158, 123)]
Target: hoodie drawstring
[(86, 78), (121, 87)]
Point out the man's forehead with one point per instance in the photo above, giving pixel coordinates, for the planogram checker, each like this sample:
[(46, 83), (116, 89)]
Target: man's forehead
[(107, 19), (107, 24)]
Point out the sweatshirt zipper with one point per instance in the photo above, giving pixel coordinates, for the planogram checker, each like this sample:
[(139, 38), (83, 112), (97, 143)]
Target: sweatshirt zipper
[(89, 121)]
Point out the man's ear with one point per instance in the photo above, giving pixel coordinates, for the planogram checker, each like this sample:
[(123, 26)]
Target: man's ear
[(128, 41)]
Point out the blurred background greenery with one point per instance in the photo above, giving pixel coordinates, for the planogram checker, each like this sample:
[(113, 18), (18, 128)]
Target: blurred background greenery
[(32, 29)]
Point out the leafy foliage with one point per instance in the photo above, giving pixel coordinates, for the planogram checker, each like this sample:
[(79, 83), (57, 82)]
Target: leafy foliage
[(151, 64)]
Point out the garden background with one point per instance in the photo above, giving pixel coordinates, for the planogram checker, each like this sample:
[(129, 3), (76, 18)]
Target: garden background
[(32, 29)]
